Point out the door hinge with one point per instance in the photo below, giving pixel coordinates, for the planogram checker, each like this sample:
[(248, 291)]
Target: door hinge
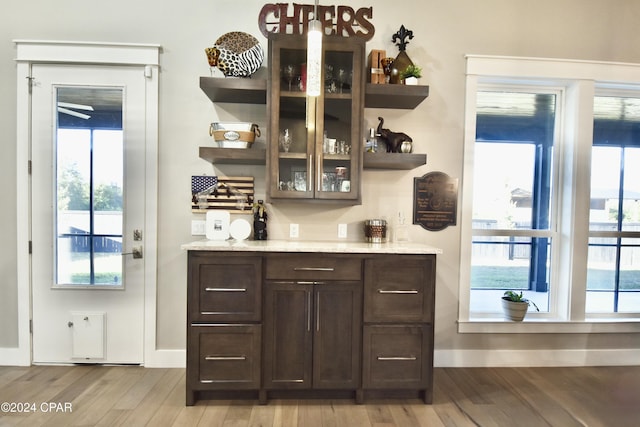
[(30, 82), (30, 247), (30, 326), (29, 166)]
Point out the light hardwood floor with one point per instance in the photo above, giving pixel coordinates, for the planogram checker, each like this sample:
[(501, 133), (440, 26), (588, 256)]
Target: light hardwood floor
[(135, 396)]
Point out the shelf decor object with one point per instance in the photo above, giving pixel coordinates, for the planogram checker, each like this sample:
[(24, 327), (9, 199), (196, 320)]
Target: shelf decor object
[(234, 194), (236, 54), (402, 61)]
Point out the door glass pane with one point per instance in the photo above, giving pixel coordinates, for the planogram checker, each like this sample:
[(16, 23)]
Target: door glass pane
[(293, 160), (89, 186), (337, 119)]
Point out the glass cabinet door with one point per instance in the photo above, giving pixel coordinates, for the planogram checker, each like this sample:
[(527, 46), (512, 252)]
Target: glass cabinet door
[(315, 143)]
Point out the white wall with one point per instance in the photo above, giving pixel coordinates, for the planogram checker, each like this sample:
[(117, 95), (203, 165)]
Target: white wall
[(444, 33)]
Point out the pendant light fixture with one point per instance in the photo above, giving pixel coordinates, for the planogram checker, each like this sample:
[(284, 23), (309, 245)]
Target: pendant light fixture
[(314, 55)]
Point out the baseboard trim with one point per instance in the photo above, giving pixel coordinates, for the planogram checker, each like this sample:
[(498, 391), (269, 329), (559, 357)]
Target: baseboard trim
[(14, 356), (166, 359), (442, 358), (535, 358)]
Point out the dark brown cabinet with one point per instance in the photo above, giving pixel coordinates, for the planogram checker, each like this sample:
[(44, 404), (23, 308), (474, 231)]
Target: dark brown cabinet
[(224, 314), (312, 322), (312, 335), (309, 324), (399, 293)]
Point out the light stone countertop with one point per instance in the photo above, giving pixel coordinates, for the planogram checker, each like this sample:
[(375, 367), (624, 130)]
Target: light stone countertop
[(311, 246)]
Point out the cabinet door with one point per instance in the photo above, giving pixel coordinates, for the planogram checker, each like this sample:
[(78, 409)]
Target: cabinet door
[(399, 289), (224, 287), (337, 335), (315, 143), (288, 324), (397, 357), (224, 357)]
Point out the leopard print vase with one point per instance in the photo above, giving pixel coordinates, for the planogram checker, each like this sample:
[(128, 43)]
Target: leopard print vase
[(236, 54)]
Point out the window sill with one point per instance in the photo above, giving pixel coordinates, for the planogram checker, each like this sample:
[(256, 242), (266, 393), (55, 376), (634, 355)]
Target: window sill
[(543, 326)]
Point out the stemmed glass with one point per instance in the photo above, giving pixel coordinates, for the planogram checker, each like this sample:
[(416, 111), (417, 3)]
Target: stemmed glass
[(342, 78), (289, 72), (285, 140)]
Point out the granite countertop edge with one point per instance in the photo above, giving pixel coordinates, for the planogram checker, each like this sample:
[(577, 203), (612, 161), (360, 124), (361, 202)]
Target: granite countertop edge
[(311, 246)]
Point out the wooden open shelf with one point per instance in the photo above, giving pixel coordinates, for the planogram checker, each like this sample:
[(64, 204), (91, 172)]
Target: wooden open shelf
[(235, 89), (254, 91), (397, 161), (234, 156), (394, 96)]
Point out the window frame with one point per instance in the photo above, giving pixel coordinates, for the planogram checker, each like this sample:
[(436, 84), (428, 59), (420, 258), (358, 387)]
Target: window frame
[(578, 82)]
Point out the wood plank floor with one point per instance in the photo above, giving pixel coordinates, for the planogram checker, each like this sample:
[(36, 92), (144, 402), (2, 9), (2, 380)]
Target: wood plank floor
[(135, 396)]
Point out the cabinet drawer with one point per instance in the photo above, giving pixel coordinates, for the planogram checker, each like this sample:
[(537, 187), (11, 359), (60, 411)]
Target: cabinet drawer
[(397, 357), (316, 267), (224, 357), (225, 288), (399, 289)]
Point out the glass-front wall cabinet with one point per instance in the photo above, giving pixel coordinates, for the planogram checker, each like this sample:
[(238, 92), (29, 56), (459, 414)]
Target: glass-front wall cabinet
[(315, 143)]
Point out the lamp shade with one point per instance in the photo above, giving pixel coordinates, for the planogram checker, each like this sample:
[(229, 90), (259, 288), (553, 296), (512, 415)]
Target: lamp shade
[(314, 58)]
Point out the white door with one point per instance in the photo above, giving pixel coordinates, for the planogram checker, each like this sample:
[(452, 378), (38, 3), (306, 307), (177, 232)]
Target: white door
[(87, 209)]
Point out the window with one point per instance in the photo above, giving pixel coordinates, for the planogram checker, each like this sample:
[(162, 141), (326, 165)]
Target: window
[(613, 276), (512, 180), (551, 194)]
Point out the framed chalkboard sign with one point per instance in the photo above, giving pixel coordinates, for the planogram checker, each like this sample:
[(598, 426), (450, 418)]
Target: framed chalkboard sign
[(435, 201)]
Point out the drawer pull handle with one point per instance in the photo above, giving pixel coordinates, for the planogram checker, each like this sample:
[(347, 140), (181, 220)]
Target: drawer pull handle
[(225, 289), (397, 358), (410, 291), (218, 358), (313, 269)]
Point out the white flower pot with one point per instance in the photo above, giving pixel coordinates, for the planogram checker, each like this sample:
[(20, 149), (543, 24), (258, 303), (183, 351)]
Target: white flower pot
[(411, 81), (514, 310)]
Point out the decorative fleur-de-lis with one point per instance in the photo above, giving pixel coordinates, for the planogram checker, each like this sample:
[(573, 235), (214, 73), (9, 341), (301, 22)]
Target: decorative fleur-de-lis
[(401, 35)]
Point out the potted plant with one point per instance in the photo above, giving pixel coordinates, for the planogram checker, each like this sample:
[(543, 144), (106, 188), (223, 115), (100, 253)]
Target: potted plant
[(411, 74), (515, 306)]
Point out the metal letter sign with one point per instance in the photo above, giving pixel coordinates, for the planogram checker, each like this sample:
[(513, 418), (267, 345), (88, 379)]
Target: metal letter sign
[(341, 20)]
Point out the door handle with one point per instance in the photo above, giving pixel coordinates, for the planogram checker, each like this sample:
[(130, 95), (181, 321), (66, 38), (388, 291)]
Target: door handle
[(136, 251)]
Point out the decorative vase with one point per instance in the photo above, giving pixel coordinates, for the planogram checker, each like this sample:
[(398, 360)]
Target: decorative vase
[(400, 64), (514, 310), (406, 147)]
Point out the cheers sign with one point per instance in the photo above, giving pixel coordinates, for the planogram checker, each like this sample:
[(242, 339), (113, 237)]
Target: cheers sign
[(340, 20)]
